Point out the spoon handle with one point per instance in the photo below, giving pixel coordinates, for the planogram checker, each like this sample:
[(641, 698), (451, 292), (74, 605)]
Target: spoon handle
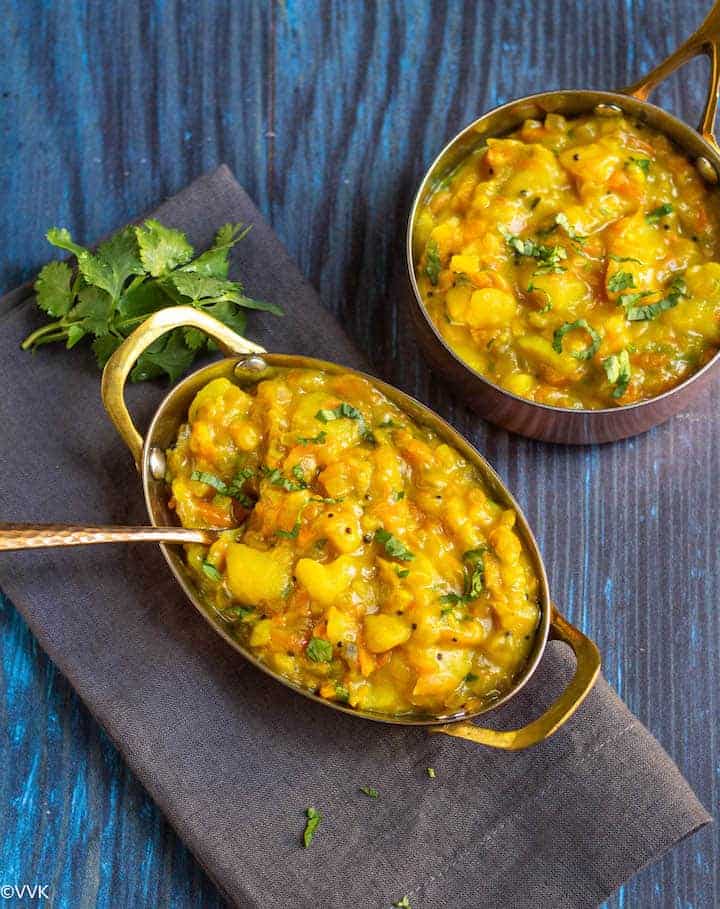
[(37, 536)]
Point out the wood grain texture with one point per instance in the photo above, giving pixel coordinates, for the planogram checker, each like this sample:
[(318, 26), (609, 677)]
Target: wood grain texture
[(328, 113)]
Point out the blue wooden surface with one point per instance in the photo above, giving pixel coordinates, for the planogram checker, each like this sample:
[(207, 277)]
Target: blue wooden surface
[(328, 113)]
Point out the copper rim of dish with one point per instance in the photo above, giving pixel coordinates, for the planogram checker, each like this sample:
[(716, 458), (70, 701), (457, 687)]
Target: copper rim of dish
[(521, 415)]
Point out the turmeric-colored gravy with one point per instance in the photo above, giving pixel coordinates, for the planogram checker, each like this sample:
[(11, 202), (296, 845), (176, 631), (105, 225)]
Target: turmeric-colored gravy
[(361, 557), (575, 262)]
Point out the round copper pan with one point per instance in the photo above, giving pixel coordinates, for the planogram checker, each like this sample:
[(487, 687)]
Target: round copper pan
[(540, 421)]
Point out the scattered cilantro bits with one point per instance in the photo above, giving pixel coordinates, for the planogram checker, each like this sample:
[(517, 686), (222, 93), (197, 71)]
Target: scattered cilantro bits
[(313, 822), (369, 791), (138, 271), (404, 903), (431, 773)]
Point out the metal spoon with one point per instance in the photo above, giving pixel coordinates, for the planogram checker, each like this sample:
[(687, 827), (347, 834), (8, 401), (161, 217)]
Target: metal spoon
[(38, 536)]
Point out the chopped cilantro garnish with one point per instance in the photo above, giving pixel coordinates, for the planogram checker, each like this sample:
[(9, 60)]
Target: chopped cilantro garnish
[(548, 257), (313, 440), (342, 410), (617, 370), (211, 571), (624, 259), (652, 217), (432, 262), (290, 534), (642, 163), (402, 572), (319, 650), (676, 290), (275, 477), (233, 489), (341, 693), (621, 280), (473, 583), (471, 677), (393, 547), (404, 903), (313, 820), (431, 773), (236, 613), (369, 791), (588, 351), (561, 219)]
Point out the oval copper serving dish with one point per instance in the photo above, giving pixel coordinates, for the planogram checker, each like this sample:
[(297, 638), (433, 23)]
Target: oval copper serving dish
[(541, 421), (246, 364)]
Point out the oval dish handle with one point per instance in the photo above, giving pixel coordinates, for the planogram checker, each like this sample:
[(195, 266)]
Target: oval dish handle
[(586, 672), (121, 362), (706, 40)]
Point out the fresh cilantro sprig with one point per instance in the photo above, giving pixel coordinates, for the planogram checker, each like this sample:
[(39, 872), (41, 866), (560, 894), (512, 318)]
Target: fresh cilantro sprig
[(138, 271)]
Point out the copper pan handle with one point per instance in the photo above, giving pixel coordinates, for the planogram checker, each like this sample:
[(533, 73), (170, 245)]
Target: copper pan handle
[(588, 667), (118, 367), (706, 40), (43, 536)]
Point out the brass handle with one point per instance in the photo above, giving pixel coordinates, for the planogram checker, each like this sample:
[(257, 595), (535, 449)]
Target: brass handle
[(39, 536), (588, 667), (706, 40), (121, 362)]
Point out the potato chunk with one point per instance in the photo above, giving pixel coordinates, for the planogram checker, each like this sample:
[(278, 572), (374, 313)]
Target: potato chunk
[(383, 632), (255, 576), (326, 582)]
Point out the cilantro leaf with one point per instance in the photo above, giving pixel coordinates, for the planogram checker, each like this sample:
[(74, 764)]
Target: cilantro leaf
[(161, 248), (369, 791), (211, 571), (588, 351), (617, 370), (53, 288), (676, 290), (432, 262), (104, 347), (319, 650), (393, 547), (652, 217), (60, 237), (621, 280), (169, 355), (642, 163), (92, 311)]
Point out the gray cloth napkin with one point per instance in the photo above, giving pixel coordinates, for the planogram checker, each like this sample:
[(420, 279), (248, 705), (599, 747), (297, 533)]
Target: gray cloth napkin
[(234, 758)]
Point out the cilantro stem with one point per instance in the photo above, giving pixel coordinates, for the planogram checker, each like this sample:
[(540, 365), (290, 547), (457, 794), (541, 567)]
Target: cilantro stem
[(45, 334)]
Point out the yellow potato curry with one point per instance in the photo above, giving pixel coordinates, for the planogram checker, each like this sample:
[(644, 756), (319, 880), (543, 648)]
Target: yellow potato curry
[(361, 557), (575, 262)]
